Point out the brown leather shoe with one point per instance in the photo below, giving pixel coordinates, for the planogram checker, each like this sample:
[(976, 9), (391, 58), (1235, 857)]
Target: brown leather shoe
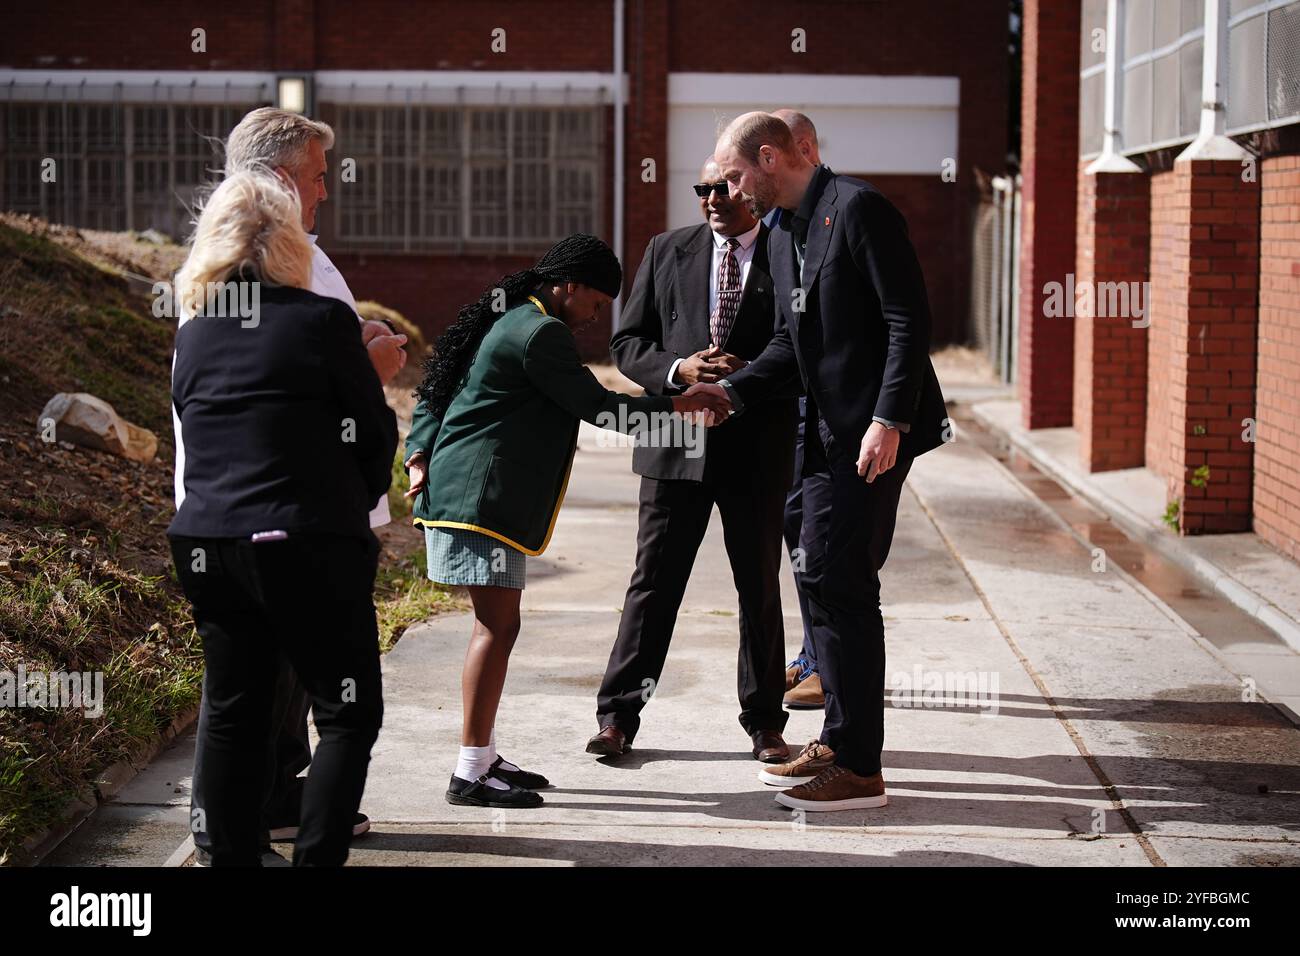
[(804, 768), (770, 747), (807, 694), (836, 788), (792, 675), (610, 742)]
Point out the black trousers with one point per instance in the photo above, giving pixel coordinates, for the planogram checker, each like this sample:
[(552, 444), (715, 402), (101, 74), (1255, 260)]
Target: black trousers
[(848, 526), (674, 515), (288, 753), (307, 599)]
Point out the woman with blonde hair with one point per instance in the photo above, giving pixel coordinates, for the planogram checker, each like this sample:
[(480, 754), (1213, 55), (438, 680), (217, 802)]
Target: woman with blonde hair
[(274, 389)]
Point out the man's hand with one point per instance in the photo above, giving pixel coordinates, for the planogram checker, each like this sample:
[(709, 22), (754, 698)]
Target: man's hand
[(371, 329), (712, 399), (386, 354), (879, 451), (707, 366), (419, 472)]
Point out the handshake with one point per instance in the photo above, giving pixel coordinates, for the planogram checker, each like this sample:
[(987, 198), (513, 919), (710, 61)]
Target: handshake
[(706, 400), (704, 397)]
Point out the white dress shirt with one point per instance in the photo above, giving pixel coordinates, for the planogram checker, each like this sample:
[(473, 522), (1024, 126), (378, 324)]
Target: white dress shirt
[(325, 280), (744, 254)]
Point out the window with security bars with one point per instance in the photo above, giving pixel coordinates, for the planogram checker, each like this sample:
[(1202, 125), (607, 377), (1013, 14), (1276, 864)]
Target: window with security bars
[(1092, 76), (1263, 64), (494, 177), (1163, 46), (116, 165)]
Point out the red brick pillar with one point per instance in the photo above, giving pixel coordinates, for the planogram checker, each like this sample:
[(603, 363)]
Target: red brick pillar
[(1049, 148), (646, 203), (1214, 326), (1110, 344)]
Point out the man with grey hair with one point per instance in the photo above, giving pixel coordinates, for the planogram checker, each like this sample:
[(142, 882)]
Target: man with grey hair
[(293, 147)]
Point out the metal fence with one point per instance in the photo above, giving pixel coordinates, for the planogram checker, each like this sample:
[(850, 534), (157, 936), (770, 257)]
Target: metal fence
[(1263, 64), (995, 272)]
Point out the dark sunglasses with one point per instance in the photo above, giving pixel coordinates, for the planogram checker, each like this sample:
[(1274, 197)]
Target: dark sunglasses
[(703, 189)]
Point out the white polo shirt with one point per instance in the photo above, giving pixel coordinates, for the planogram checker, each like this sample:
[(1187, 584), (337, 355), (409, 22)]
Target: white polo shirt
[(325, 280)]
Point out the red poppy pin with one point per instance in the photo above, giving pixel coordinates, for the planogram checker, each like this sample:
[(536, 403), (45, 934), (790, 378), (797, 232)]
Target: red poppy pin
[(828, 220)]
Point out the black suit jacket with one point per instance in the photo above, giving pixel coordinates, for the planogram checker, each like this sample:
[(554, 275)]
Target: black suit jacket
[(667, 318), (284, 422), (862, 341)]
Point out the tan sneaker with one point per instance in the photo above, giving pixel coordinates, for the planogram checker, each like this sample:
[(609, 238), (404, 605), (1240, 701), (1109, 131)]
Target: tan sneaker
[(792, 675), (804, 768), (836, 788), (807, 694)]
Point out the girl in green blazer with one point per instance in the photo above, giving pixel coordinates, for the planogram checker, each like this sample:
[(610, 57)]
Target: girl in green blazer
[(491, 444)]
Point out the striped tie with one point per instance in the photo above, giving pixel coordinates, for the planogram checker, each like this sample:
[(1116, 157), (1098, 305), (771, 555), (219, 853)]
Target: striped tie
[(729, 290)]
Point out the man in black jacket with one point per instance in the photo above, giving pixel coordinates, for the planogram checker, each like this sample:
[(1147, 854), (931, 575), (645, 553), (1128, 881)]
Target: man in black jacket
[(855, 322), (700, 308)]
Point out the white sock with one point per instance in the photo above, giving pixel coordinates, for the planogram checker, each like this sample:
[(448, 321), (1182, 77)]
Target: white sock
[(473, 762), (476, 761)]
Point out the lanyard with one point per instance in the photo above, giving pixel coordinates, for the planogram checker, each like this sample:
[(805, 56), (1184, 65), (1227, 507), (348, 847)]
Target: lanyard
[(538, 302)]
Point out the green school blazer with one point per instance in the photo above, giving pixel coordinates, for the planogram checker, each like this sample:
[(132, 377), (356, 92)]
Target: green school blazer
[(499, 459)]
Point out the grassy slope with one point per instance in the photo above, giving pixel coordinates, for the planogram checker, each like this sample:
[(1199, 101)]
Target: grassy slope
[(84, 582)]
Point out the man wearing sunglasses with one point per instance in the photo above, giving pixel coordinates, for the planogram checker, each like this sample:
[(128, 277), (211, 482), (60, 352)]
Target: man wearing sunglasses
[(700, 308)]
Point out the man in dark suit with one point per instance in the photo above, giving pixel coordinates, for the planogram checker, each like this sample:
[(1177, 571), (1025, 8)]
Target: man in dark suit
[(803, 684), (700, 308), (855, 322)]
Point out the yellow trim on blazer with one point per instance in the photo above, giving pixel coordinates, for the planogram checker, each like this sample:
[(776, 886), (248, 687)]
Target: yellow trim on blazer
[(550, 529)]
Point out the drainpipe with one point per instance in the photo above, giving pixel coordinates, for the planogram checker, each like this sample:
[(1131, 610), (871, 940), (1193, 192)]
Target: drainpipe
[(619, 149)]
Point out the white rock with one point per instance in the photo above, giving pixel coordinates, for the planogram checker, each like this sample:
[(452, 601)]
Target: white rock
[(91, 422)]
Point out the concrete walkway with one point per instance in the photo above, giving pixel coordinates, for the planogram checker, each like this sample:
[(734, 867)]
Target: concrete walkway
[(1109, 715), (1117, 735)]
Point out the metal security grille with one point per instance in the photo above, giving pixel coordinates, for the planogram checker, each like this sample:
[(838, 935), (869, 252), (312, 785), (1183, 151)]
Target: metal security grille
[(1092, 76), (1163, 45), (490, 177), (116, 165), (995, 272), (1263, 64)]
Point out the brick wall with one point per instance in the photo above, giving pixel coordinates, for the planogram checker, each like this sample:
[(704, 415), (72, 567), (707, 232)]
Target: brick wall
[(966, 38), (1205, 272), (1110, 352), (1049, 152), (1277, 449), (1222, 335), (156, 35), (1168, 265)]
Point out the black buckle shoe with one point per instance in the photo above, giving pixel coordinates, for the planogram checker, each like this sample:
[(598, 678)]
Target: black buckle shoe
[(477, 793), (519, 778)]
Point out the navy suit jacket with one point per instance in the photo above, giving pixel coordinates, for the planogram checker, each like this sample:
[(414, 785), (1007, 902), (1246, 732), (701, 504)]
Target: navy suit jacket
[(861, 341)]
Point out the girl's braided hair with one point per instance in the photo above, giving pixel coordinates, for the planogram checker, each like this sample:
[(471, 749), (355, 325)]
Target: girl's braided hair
[(577, 258)]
